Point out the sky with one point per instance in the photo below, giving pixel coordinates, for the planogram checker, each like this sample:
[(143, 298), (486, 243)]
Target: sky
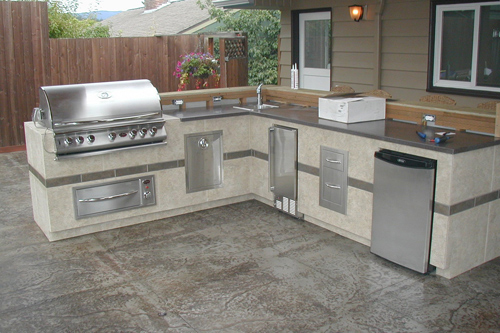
[(111, 5)]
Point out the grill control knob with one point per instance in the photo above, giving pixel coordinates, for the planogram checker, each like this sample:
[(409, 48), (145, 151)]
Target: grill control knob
[(147, 195), (112, 136), (91, 138), (132, 134), (152, 131), (68, 141), (79, 139), (143, 132)]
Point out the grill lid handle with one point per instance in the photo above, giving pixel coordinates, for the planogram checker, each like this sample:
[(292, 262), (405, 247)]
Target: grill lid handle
[(84, 122)]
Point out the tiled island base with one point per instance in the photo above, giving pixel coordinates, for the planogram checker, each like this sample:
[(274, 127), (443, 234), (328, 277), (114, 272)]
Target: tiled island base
[(466, 229)]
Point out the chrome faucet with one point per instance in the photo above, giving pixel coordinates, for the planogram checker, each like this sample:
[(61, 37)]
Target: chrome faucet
[(259, 96)]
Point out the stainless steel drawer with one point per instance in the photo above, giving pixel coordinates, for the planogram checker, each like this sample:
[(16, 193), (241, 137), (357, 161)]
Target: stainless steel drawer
[(333, 179), (332, 187), (334, 160), (112, 197)]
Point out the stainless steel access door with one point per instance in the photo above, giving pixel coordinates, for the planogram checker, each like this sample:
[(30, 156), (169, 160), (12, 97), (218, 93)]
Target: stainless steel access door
[(204, 161), (283, 161)]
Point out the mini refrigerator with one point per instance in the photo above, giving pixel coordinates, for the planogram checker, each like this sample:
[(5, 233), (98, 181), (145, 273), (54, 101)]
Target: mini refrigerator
[(403, 207)]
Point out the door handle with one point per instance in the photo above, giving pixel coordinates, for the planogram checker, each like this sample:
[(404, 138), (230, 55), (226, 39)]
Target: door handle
[(271, 159), (109, 198), (333, 186), (333, 161)]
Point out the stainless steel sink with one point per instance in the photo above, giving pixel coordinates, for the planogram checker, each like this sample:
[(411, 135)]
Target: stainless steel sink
[(256, 108)]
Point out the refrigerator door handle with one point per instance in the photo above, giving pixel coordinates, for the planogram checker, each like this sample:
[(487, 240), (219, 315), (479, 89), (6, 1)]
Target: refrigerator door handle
[(271, 159)]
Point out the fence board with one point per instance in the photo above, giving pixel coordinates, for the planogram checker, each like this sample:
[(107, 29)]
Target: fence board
[(4, 82), (54, 61), (40, 50), (19, 74), (28, 99)]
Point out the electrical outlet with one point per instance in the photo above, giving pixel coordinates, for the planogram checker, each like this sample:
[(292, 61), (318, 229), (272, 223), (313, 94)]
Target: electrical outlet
[(430, 118)]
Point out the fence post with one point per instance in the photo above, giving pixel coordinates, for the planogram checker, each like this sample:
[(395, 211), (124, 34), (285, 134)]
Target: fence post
[(223, 64)]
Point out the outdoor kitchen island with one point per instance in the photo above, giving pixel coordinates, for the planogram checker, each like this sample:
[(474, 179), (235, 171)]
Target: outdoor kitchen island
[(466, 229)]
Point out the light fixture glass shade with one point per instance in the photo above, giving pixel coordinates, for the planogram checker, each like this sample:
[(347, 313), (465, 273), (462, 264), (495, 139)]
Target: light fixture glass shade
[(356, 12)]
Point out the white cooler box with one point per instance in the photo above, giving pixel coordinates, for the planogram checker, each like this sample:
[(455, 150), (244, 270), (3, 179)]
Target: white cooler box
[(352, 110)]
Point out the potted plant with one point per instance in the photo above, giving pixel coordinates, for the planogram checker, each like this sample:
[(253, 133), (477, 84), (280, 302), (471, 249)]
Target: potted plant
[(198, 65)]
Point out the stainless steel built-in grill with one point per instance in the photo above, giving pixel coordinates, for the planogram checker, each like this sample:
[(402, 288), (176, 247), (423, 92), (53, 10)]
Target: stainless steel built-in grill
[(94, 118)]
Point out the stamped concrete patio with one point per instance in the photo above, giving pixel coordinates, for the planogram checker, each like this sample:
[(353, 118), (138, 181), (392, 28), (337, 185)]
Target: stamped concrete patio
[(239, 268)]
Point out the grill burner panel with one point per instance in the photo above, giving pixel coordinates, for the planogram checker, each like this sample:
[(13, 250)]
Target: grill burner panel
[(114, 137)]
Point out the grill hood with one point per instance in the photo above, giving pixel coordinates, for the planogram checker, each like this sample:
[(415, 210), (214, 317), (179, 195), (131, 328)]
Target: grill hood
[(94, 105)]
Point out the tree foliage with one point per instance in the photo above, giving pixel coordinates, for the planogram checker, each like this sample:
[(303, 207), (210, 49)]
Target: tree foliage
[(263, 28), (63, 23)]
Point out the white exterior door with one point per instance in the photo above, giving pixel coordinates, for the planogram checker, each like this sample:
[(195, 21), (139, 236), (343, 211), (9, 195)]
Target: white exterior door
[(314, 50)]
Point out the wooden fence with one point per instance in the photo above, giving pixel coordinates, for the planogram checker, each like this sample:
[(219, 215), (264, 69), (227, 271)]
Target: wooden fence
[(24, 65), (29, 59), (113, 59)]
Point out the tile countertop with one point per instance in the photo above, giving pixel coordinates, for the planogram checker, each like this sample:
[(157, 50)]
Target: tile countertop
[(385, 130)]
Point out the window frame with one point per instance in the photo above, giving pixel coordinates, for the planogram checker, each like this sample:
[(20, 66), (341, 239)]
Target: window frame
[(434, 82)]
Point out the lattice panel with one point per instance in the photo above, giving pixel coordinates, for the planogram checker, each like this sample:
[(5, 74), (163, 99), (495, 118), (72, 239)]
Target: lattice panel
[(235, 48)]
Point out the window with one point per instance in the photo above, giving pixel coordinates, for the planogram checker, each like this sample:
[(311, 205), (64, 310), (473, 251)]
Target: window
[(465, 50)]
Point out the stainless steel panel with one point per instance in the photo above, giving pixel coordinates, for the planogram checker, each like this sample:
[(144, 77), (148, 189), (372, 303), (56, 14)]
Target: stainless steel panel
[(403, 199), (283, 161), (333, 179), (204, 161), (86, 105), (332, 187), (107, 151), (101, 139), (112, 197)]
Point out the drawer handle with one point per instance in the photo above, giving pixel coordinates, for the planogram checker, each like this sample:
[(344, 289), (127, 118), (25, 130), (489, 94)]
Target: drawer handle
[(333, 186), (333, 161), (108, 198)]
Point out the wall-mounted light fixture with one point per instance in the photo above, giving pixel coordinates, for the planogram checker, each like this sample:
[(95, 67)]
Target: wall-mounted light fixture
[(356, 12)]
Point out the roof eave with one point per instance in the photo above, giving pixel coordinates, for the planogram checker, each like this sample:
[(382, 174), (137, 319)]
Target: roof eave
[(234, 4)]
